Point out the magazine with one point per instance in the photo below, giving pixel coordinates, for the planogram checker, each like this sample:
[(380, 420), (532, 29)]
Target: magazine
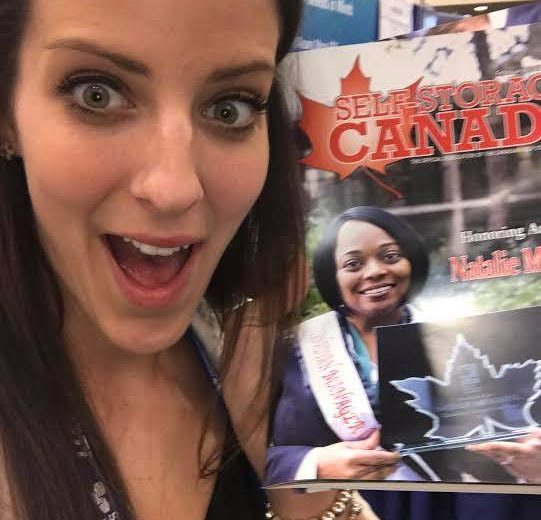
[(422, 162)]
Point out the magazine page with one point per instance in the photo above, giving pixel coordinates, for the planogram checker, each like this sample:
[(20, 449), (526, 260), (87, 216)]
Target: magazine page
[(417, 364)]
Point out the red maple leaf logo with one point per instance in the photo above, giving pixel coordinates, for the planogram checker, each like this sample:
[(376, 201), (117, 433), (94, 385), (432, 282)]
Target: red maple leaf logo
[(319, 120)]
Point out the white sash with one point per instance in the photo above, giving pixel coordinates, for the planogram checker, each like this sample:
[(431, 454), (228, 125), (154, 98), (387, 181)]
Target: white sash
[(336, 384), (334, 379)]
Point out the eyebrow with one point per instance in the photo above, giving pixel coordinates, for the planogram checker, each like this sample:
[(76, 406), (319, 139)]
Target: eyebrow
[(253, 67), (361, 253), (121, 61), (132, 65)]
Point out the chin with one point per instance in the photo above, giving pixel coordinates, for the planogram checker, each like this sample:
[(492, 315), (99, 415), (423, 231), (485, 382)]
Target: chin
[(146, 340), (382, 314)]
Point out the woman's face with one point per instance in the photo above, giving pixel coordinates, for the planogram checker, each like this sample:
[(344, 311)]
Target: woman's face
[(371, 272), (143, 132)]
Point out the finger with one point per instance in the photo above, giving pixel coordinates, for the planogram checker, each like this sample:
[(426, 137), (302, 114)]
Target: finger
[(497, 447), (501, 452), (370, 443), (375, 458), (532, 440), (375, 436)]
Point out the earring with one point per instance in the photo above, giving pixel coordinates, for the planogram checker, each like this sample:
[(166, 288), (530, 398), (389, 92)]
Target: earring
[(6, 151)]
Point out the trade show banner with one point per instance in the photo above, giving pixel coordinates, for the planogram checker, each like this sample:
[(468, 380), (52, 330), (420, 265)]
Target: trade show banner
[(328, 23)]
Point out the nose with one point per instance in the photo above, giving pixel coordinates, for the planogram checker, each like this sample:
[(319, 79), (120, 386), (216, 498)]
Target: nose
[(169, 181), (374, 268)]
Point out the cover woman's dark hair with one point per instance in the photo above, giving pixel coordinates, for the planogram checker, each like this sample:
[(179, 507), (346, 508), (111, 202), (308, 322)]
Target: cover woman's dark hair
[(41, 398), (407, 238)]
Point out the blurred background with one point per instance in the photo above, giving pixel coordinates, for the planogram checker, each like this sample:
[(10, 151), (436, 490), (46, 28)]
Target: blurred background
[(342, 22)]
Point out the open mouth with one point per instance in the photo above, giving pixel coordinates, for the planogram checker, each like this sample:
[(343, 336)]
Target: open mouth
[(377, 291), (146, 265)]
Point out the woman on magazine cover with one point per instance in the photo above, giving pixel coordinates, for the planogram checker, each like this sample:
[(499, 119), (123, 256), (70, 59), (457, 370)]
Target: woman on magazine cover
[(145, 172), (367, 266)]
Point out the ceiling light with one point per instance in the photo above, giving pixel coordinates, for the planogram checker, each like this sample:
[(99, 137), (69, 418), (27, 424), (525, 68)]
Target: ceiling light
[(480, 8)]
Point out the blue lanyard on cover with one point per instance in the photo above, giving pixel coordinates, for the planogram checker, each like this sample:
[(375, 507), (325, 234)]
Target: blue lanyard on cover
[(368, 369)]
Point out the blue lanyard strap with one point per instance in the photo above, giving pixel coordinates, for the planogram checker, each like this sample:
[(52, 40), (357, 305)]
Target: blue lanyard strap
[(205, 359), (108, 507)]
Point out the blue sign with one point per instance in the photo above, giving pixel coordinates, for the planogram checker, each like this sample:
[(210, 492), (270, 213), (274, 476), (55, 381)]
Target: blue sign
[(328, 23)]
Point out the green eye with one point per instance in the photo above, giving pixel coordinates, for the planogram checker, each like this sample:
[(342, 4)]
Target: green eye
[(229, 113), (237, 111), (232, 113), (98, 96), (94, 94)]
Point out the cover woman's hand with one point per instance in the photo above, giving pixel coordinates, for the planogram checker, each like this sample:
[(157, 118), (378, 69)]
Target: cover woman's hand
[(360, 460), (522, 458)]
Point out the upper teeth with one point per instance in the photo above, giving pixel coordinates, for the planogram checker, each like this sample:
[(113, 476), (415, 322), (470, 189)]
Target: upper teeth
[(155, 251), (376, 290)]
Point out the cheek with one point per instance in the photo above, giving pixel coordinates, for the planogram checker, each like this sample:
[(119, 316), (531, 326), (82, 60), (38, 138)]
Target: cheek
[(345, 282), (74, 162), (403, 272), (234, 177), (63, 166), (72, 183)]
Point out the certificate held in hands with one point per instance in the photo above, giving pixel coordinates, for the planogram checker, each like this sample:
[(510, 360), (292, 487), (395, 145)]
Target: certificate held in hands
[(452, 383)]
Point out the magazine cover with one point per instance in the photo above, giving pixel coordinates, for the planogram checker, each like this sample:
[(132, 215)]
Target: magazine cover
[(422, 179)]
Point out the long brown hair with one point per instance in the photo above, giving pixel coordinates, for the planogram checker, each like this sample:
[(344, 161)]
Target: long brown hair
[(41, 399)]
